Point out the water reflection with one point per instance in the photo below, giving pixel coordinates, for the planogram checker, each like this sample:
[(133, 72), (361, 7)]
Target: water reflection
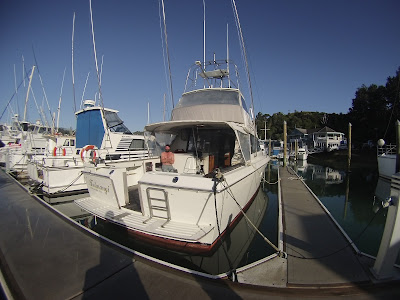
[(352, 199), (236, 250)]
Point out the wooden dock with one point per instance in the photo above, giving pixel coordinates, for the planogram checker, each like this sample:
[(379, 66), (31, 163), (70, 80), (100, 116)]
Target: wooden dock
[(45, 255)]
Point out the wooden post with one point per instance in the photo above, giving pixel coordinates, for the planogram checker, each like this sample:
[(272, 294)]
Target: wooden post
[(284, 143), (349, 149), (269, 148)]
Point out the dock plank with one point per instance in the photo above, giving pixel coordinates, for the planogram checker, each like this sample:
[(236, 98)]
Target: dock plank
[(310, 239)]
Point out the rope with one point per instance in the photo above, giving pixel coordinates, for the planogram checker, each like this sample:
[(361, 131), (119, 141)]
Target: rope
[(73, 181), (266, 181), (232, 273), (247, 218)]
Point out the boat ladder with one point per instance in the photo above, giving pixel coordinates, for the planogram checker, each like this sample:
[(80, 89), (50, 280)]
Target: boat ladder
[(158, 204)]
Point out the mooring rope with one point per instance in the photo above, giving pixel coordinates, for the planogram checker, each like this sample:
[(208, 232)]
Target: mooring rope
[(73, 181), (247, 218)]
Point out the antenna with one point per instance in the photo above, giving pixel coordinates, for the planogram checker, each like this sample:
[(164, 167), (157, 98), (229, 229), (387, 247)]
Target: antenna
[(73, 74)]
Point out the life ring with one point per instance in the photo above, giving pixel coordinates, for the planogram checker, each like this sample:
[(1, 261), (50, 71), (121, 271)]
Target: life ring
[(91, 149), (58, 151)]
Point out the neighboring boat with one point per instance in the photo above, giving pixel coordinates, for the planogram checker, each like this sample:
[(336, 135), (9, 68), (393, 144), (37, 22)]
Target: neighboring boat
[(386, 156), (101, 136), (219, 166), (25, 140), (302, 154)]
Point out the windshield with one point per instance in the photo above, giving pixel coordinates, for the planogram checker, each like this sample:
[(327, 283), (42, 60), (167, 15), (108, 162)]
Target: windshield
[(115, 123)]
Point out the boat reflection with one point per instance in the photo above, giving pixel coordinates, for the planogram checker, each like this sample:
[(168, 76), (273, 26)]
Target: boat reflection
[(226, 257)]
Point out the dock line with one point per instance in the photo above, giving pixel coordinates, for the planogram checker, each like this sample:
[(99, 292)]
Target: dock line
[(279, 252)]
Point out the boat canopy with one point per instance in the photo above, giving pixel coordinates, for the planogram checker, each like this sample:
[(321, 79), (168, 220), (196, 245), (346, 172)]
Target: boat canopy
[(173, 127), (216, 104)]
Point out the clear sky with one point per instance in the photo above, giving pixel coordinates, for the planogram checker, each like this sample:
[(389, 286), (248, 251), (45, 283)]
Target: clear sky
[(308, 55)]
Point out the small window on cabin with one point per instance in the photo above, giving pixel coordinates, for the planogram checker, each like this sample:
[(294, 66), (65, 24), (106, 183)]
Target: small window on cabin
[(72, 143), (137, 145), (66, 143)]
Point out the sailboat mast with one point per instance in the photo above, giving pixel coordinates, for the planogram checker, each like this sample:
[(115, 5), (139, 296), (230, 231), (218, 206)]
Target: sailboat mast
[(59, 102), (27, 93), (227, 54), (73, 74), (204, 35)]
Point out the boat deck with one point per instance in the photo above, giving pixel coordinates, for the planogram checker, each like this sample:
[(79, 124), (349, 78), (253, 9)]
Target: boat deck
[(45, 255)]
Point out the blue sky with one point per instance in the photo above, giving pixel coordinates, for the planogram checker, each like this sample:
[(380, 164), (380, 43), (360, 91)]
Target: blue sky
[(303, 55)]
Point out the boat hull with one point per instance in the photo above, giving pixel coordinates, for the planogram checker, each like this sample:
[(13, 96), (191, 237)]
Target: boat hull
[(199, 218)]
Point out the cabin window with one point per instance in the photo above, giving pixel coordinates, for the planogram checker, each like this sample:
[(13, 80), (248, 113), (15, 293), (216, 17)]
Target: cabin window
[(244, 141), (255, 145), (115, 123), (137, 145), (66, 143)]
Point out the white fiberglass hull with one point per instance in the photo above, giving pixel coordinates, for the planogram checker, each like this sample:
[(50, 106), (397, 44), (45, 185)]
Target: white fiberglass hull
[(198, 216), (387, 165)]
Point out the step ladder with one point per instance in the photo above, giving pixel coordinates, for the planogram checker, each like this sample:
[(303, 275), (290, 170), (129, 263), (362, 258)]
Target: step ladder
[(158, 202)]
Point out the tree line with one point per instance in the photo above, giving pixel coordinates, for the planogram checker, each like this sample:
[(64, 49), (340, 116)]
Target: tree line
[(373, 115)]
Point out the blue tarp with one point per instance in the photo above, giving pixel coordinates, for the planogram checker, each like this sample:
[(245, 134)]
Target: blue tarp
[(89, 128)]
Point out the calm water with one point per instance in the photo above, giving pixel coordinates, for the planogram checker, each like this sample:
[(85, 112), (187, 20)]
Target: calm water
[(351, 199)]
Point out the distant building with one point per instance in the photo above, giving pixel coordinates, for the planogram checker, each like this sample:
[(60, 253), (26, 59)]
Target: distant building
[(324, 138)]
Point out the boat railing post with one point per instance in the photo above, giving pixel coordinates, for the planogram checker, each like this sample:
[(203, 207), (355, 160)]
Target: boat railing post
[(390, 246)]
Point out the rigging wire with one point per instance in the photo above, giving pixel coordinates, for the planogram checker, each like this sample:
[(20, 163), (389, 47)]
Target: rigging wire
[(14, 94), (44, 91), (162, 45), (166, 46)]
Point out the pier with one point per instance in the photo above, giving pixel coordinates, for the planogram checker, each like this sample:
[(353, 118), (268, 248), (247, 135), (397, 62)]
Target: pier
[(45, 255)]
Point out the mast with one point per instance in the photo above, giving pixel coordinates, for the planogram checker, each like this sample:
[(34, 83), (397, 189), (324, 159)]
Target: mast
[(204, 35), (227, 54), (73, 74), (59, 101), (164, 109), (16, 89), (27, 93)]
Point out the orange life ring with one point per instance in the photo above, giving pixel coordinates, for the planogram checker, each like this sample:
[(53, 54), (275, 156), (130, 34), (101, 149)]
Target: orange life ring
[(86, 149), (57, 150)]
